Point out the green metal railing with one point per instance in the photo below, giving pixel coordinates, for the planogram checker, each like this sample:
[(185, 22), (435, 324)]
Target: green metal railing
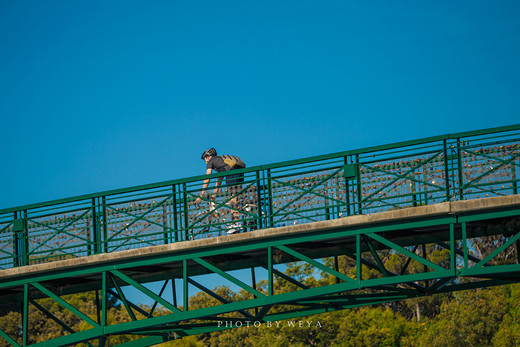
[(462, 166)]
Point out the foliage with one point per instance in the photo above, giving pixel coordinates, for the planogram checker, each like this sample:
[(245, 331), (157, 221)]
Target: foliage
[(479, 317)]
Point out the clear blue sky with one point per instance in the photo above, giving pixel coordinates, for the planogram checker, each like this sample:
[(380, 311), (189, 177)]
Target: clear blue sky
[(100, 95)]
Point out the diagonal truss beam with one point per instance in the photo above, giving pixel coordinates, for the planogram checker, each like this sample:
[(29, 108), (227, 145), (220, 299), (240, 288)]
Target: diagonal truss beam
[(288, 278), (145, 291), (160, 295), (228, 277), (55, 319), (498, 250), (391, 274), (375, 255), (126, 303), (405, 252), (316, 264), (65, 304), (216, 296), (9, 338)]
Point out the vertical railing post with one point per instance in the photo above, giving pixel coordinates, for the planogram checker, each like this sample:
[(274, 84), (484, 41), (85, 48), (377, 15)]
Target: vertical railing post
[(259, 204), (165, 219), (327, 208), (16, 248), (513, 175), (96, 232), (270, 198), (359, 185), (460, 188), (414, 192), (25, 239), (175, 215), (104, 223), (20, 239), (165, 222), (425, 189), (185, 211), (347, 188), (446, 170)]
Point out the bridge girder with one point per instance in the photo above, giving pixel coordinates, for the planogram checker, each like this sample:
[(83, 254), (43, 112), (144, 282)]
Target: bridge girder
[(364, 245)]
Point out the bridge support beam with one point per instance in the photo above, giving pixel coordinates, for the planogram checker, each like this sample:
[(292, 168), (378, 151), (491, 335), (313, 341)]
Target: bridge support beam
[(351, 265)]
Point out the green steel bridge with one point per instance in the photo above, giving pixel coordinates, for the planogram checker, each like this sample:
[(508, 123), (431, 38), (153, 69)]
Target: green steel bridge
[(411, 201)]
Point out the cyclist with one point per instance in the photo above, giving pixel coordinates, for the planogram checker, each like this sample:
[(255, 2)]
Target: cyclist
[(222, 163)]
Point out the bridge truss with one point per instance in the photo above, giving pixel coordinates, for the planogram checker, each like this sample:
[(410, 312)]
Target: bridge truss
[(426, 203)]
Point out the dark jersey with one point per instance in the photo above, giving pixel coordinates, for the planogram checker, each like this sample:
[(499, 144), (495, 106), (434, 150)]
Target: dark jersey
[(225, 163)]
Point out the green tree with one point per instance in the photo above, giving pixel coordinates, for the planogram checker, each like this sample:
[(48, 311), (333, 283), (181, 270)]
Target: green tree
[(472, 318), (375, 326)]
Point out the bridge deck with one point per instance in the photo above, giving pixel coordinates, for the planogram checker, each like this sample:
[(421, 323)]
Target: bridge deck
[(343, 244)]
